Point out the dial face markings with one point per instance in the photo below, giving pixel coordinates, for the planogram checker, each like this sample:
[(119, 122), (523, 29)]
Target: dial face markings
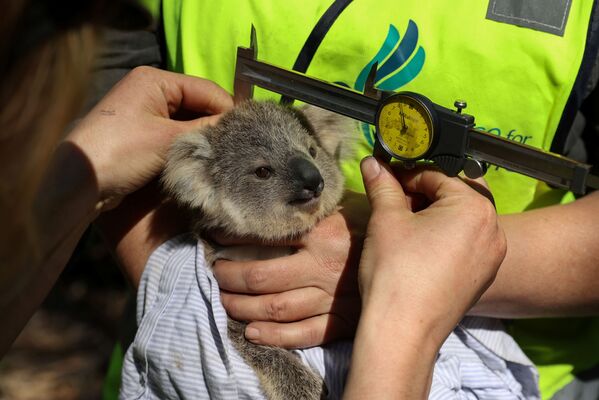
[(405, 127)]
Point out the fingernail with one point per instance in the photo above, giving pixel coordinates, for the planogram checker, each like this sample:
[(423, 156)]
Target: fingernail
[(252, 334), (370, 168)]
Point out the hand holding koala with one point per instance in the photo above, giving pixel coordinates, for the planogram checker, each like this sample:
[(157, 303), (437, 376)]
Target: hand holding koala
[(421, 270)]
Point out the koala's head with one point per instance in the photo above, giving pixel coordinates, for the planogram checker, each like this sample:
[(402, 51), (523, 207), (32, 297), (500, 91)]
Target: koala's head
[(262, 171)]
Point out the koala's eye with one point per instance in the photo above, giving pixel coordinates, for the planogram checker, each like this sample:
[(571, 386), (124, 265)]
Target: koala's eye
[(312, 151), (263, 173)]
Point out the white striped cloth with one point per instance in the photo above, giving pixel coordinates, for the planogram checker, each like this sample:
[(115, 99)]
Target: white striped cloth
[(181, 349)]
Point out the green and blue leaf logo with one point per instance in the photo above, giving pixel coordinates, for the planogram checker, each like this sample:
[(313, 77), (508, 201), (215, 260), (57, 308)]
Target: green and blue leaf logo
[(399, 60)]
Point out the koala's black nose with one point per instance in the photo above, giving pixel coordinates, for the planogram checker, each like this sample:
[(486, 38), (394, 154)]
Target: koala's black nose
[(306, 178)]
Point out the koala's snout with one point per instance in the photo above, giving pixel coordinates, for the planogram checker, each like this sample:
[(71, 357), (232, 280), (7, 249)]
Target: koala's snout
[(306, 178)]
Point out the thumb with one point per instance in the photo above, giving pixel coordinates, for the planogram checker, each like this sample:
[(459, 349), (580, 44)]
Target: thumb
[(382, 188)]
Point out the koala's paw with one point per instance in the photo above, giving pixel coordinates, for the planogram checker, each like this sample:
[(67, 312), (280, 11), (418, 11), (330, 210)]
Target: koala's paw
[(282, 375)]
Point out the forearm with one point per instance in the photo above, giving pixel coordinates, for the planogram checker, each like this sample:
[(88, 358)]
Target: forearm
[(393, 355), (141, 223), (129, 246), (552, 264), (65, 205)]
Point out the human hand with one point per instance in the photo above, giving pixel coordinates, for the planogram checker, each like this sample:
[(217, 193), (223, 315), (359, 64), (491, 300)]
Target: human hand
[(430, 238), (305, 299), (127, 135), (125, 139), (423, 265)]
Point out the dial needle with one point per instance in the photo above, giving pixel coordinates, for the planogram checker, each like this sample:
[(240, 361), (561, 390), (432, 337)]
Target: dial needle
[(404, 127)]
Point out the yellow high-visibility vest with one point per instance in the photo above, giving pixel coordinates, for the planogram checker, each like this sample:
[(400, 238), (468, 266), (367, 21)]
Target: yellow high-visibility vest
[(515, 68)]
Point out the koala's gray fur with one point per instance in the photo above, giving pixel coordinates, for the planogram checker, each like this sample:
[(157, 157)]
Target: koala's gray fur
[(268, 172)]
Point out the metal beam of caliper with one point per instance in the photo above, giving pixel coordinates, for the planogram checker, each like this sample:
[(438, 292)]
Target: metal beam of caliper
[(548, 167), (323, 94), (551, 168)]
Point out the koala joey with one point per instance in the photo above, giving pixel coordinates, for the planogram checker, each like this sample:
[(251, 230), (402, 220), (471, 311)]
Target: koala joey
[(268, 172)]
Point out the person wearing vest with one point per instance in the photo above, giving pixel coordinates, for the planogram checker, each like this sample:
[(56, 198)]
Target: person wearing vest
[(524, 72)]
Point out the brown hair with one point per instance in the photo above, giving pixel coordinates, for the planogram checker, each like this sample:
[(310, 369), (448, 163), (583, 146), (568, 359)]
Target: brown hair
[(41, 89)]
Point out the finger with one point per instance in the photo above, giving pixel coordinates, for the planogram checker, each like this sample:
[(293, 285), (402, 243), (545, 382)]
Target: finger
[(195, 94), (417, 201), (481, 186), (263, 276), (225, 239), (474, 181), (184, 126), (293, 305), (382, 188), (302, 334), (409, 176), (433, 184)]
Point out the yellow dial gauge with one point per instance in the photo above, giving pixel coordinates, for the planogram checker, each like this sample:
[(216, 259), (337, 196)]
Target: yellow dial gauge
[(405, 127)]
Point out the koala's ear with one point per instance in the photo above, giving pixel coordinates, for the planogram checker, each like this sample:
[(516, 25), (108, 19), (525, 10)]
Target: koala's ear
[(303, 119), (187, 175), (336, 133)]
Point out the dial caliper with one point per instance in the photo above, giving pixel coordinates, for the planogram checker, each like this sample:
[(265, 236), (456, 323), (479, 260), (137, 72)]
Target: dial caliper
[(412, 129)]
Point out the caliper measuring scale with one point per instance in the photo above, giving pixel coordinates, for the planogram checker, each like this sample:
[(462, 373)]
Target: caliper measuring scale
[(411, 128)]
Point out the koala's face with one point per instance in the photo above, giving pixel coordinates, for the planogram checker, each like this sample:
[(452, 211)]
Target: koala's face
[(261, 171)]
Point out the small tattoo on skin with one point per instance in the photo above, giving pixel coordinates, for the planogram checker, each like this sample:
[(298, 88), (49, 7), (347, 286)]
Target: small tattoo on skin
[(107, 112)]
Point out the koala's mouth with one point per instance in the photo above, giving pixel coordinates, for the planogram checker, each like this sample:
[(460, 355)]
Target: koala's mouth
[(307, 195), (307, 200)]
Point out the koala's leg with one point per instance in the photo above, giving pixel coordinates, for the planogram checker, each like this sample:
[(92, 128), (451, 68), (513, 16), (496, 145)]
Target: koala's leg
[(281, 374)]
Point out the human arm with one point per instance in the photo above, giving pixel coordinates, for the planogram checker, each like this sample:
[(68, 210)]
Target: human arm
[(412, 262), (552, 265), (115, 150)]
